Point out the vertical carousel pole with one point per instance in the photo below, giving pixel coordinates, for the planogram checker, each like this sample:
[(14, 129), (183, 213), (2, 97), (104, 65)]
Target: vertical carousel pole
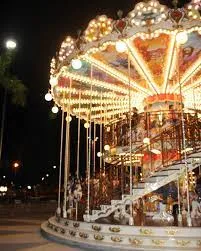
[(89, 151), (94, 151), (78, 150), (67, 157), (189, 222), (101, 136), (60, 165), (131, 221)]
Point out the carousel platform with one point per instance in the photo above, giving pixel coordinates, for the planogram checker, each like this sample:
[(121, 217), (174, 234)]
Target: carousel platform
[(98, 236)]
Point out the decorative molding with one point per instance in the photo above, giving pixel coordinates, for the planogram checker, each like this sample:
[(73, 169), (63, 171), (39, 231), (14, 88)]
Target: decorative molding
[(83, 235), (171, 231), (116, 239), (183, 243), (76, 224), (115, 229), (145, 231), (135, 242), (96, 228), (98, 237), (158, 242), (72, 233)]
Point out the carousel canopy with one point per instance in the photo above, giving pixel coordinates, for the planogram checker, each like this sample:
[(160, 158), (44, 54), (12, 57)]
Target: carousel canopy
[(152, 52)]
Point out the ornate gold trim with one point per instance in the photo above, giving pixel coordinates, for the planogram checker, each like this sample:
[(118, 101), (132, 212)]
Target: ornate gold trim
[(171, 231), (83, 235), (135, 242), (76, 224), (96, 228), (158, 242), (98, 237), (72, 233), (199, 243), (116, 239), (183, 243), (145, 231), (115, 229)]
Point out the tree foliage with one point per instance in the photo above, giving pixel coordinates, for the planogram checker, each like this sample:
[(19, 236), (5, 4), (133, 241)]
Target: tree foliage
[(10, 82)]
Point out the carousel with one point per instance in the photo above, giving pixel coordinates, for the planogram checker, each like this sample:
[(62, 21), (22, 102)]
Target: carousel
[(131, 88)]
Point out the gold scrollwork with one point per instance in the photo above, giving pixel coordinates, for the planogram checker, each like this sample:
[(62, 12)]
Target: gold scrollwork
[(72, 233), (83, 235), (171, 231), (116, 239), (114, 229), (145, 231), (183, 243), (96, 228), (158, 242), (98, 237), (76, 224), (199, 243), (135, 241)]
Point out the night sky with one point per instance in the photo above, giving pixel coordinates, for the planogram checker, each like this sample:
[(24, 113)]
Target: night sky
[(39, 28)]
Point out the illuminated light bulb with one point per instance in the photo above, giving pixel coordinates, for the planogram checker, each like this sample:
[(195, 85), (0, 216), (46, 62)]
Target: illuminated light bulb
[(76, 64), (181, 37), (107, 147), (55, 109), (48, 96), (121, 46), (146, 141), (53, 81), (68, 118), (99, 154), (86, 125)]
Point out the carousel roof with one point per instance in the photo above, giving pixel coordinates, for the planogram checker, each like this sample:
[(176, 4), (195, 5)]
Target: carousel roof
[(154, 50)]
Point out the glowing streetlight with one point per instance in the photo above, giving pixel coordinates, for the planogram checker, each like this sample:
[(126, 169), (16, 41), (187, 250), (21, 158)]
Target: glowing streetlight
[(54, 167), (11, 44), (4, 177), (47, 175)]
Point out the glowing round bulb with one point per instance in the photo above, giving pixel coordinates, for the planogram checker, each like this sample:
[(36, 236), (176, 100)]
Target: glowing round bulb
[(48, 96), (53, 81), (121, 46), (55, 109), (99, 154), (146, 141), (11, 44), (107, 147), (86, 125), (68, 118), (76, 64), (181, 37)]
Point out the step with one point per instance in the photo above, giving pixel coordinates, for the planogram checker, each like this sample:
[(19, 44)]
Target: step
[(114, 202), (95, 211), (154, 179)]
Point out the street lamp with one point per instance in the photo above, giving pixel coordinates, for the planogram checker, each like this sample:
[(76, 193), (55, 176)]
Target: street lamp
[(10, 45)]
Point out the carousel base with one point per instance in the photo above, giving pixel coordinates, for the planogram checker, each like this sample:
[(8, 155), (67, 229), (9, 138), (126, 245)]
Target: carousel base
[(97, 236)]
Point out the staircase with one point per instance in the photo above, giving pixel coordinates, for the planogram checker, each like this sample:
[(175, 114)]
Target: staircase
[(157, 180)]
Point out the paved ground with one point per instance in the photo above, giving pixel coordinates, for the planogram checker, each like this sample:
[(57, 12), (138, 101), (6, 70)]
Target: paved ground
[(20, 228)]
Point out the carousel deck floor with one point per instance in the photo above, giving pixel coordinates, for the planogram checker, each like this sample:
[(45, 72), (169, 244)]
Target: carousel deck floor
[(142, 220)]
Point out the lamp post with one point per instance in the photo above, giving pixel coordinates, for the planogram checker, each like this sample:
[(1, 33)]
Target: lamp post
[(10, 45)]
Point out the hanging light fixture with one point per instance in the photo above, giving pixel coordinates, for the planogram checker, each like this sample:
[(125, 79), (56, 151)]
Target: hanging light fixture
[(68, 118), (99, 154), (86, 125), (48, 96), (146, 141), (55, 109), (53, 81), (107, 147)]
